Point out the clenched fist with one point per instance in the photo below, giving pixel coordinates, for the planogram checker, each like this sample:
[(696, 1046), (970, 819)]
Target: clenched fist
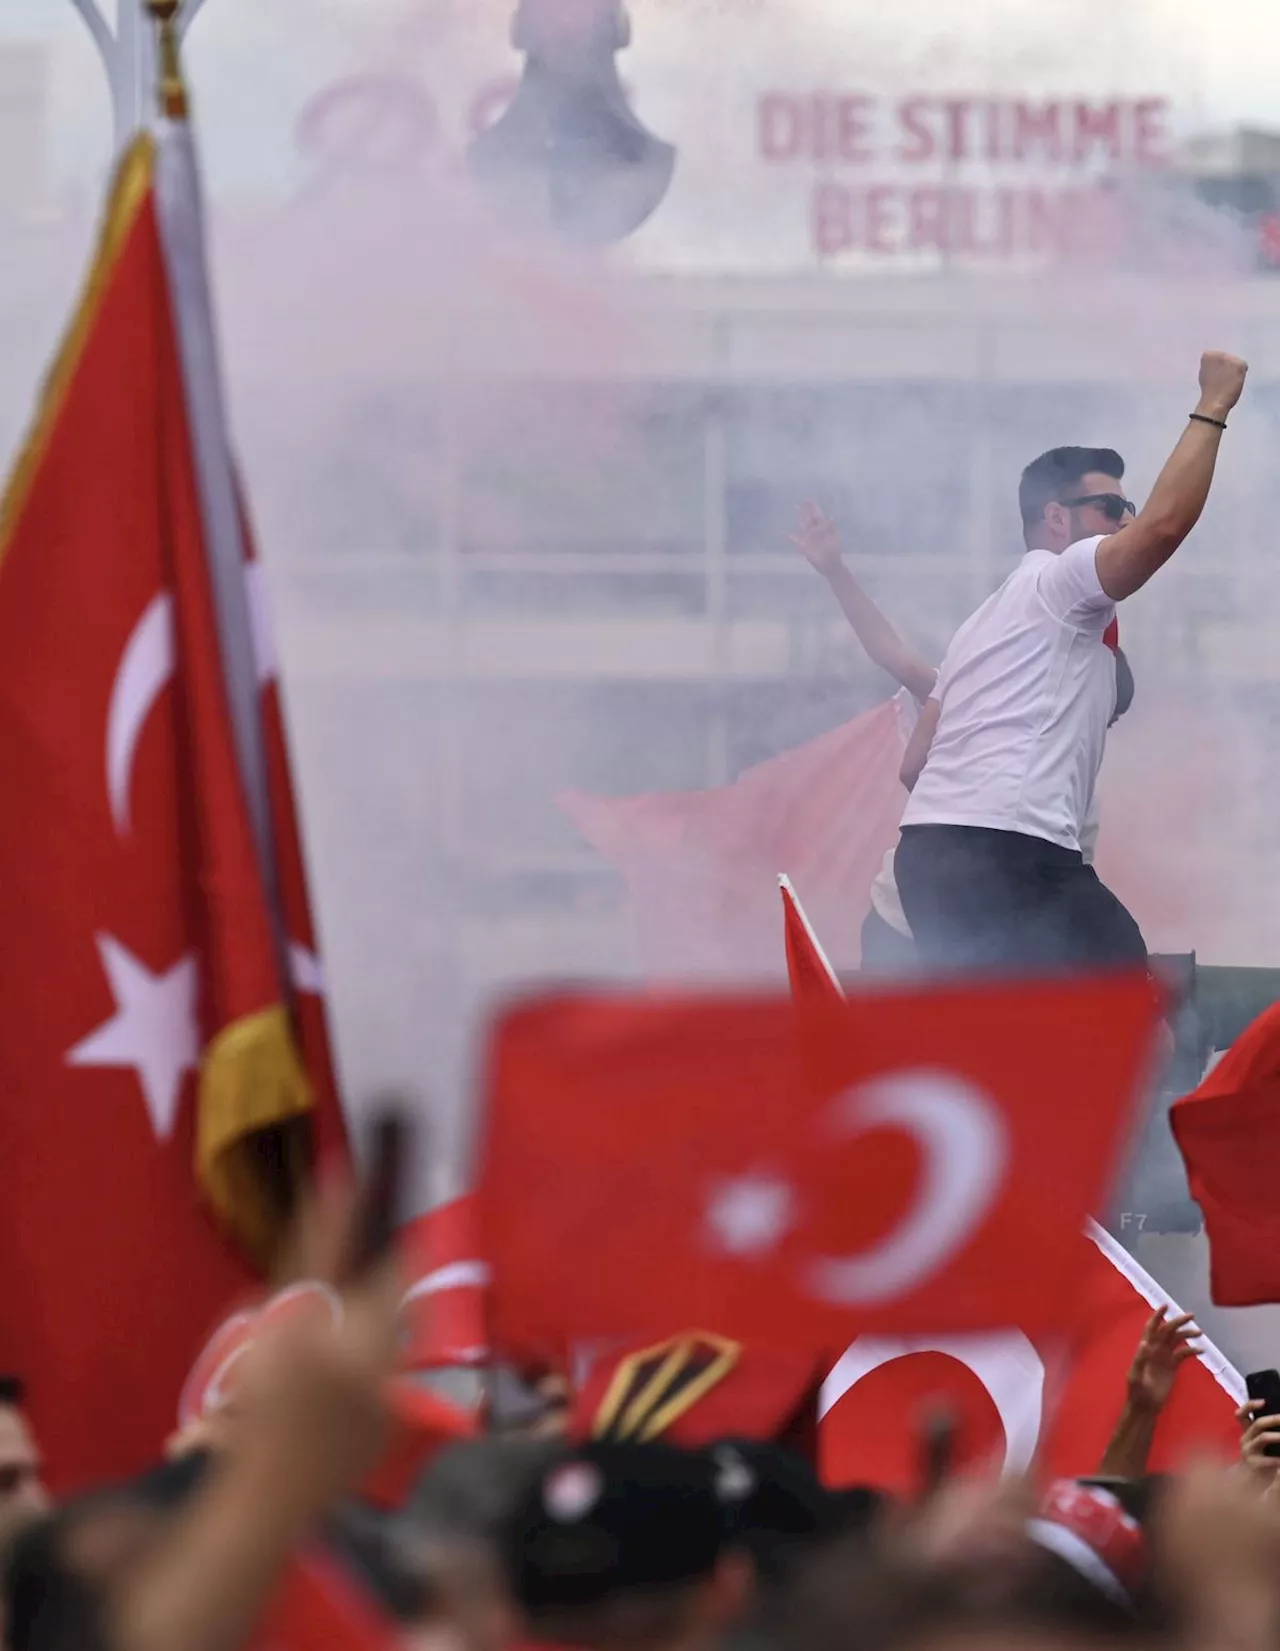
[(1221, 382)]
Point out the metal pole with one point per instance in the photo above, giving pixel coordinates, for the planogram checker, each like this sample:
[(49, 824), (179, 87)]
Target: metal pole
[(128, 56)]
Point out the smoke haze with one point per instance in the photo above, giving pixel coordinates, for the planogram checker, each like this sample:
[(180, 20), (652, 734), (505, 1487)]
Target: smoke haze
[(522, 509)]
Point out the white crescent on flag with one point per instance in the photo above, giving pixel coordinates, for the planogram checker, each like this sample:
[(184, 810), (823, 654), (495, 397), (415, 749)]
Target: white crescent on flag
[(962, 1137)]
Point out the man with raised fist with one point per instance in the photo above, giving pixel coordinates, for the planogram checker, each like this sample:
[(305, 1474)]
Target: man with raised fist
[(1004, 760)]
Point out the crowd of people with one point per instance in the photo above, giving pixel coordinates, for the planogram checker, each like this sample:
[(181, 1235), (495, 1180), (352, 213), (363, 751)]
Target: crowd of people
[(545, 1533), (613, 1536)]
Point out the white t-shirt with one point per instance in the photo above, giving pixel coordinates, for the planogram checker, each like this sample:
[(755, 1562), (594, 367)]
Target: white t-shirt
[(1026, 695)]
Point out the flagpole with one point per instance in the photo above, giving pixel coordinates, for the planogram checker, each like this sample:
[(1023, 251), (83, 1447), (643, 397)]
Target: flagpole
[(281, 1150), (171, 90), (129, 59)]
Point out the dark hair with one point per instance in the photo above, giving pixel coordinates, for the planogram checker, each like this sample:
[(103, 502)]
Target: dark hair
[(13, 1390), (1047, 479)]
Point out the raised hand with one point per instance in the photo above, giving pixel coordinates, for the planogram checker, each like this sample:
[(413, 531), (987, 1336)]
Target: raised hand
[(817, 539), (314, 1383), (1167, 1343), (1221, 382), (1259, 1433)]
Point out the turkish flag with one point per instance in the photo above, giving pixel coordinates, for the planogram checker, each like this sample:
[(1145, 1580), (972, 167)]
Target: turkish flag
[(915, 1160), (445, 1312), (422, 1422), (996, 1387), (702, 866), (1228, 1131), (160, 1005)]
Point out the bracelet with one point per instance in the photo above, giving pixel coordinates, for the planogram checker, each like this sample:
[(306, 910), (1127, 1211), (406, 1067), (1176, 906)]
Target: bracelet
[(1203, 418)]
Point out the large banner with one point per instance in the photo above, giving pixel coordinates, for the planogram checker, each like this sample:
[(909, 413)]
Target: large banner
[(806, 142)]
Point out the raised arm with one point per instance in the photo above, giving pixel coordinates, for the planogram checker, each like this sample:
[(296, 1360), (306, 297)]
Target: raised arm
[(1130, 557), (1166, 1345), (819, 543)]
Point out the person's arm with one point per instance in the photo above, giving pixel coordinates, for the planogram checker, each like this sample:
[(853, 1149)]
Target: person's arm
[(1164, 1348), (819, 543), (314, 1423), (1129, 558), (917, 752)]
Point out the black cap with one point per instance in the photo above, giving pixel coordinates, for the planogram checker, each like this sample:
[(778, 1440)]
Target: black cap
[(611, 1518), (773, 1499)]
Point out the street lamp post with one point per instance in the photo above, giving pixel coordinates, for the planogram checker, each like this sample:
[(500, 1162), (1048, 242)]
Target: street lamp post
[(128, 54)]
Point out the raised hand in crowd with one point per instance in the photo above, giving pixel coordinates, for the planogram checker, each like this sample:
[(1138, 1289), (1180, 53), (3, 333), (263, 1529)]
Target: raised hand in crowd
[(1166, 1345), (1261, 1433), (311, 1421)]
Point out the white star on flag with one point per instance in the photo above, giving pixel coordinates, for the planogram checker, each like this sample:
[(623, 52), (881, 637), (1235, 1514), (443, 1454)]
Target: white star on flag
[(750, 1215), (154, 1029)]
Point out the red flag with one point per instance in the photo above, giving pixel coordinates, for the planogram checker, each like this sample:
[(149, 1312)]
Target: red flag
[(813, 980), (702, 865), (423, 1424), (445, 1306), (422, 1421), (1228, 1131), (153, 905), (653, 1165), (995, 1386)]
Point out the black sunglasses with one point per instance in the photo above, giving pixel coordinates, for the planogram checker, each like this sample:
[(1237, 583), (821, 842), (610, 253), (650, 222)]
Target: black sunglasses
[(1114, 506)]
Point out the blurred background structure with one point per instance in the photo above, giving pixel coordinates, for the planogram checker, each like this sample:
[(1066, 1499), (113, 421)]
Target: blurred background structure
[(523, 506)]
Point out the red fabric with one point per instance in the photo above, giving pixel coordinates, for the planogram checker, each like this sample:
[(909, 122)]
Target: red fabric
[(1094, 1516), (445, 1305), (635, 1146), (422, 1421), (1111, 636), (1014, 1394), (702, 866), (422, 1425), (113, 1271), (319, 1606), (135, 926), (1228, 1131), (763, 1394), (808, 969)]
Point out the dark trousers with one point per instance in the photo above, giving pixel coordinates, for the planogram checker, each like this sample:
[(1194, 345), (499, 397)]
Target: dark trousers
[(994, 901), (884, 950)]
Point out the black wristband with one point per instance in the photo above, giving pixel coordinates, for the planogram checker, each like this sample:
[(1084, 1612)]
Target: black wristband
[(1203, 418)]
